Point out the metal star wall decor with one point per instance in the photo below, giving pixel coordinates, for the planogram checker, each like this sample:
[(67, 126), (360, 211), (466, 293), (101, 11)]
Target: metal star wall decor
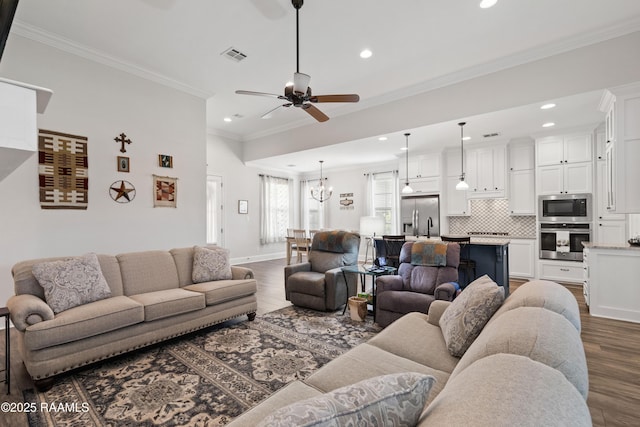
[(122, 191)]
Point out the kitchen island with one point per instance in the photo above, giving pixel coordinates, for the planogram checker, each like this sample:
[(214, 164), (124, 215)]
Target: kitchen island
[(490, 254)]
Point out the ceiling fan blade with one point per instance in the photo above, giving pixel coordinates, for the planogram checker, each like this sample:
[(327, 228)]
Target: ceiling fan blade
[(335, 98), (315, 113), (269, 113), (271, 95)]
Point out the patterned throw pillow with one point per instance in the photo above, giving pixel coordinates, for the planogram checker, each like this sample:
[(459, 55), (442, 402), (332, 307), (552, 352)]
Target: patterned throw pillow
[(388, 400), (463, 320), (72, 282), (210, 264)]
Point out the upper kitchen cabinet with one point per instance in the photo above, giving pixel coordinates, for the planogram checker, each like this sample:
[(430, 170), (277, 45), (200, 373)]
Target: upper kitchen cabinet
[(622, 156), (565, 164), (424, 173), (522, 197), (486, 172)]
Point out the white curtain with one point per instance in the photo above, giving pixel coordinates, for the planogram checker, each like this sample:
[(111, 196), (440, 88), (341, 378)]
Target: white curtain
[(274, 209), (312, 212), (369, 204)]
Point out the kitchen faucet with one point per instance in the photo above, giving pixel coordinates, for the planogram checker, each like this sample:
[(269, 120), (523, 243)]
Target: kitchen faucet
[(429, 225)]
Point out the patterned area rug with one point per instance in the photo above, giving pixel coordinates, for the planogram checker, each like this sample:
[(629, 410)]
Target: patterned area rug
[(204, 379)]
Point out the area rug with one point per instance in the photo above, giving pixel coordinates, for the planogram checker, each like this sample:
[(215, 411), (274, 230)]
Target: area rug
[(203, 379)]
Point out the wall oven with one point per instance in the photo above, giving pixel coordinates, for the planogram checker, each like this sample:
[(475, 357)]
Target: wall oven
[(563, 241), (564, 208)]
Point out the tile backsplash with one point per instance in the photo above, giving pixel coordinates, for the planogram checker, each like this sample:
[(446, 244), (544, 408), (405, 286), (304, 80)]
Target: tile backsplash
[(492, 215)]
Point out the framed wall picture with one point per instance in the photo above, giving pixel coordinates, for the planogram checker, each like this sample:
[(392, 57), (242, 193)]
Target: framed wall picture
[(165, 161), (243, 206), (123, 164), (165, 192)]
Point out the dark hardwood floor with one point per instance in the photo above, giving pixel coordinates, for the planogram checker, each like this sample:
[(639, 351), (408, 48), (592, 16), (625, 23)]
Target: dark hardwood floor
[(612, 348)]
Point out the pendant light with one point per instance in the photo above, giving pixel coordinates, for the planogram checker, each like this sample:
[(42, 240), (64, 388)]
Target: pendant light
[(407, 188), (462, 185), (321, 193)]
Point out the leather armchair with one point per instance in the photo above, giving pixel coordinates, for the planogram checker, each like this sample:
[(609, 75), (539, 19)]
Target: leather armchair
[(415, 286), (319, 283)]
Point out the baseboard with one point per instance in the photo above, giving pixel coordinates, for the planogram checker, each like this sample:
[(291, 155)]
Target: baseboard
[(257, 258)]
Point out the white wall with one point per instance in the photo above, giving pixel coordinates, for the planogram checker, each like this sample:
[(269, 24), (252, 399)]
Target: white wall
[(99, 102)]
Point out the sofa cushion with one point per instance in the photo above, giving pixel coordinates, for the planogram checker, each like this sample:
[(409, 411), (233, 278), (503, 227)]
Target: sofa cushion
[(84, 321), (543, 293), (169, 302), (463, 320), (210, 263), (147, 271), (395, 399), (414, 338), (507, 390), (72, 282), (224, 290), (539, 334), (307, 282)]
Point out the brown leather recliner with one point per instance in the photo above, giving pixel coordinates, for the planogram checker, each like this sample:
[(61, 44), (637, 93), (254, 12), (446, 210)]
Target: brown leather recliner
[(416, 285), (319, 283)]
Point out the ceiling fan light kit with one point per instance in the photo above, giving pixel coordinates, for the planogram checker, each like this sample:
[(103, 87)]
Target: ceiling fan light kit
[(299, 94)]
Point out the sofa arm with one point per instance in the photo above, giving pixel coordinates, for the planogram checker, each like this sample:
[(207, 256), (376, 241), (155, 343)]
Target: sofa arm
[(445, 291), (436, 309), (388, 283), (295, 268), (27, 310), (241, 273), (335, 284)]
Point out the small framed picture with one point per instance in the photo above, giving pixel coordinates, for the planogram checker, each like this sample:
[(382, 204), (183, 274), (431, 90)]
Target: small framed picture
[(243, 206), (165, 161), (123, 164), (165, 191)]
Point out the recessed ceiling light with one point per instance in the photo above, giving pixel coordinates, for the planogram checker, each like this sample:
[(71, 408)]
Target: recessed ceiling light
[(486, 4), (403, 148), (382, 138), (548, 125), (548, 106), (466, 138), (366, 54), (227, 119)]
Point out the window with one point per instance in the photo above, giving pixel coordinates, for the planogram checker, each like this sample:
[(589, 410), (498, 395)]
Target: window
[(275, 195), (384, 199), (312, 211)]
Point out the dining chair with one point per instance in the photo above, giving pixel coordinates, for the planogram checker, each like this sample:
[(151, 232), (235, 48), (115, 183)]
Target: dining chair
[(392, 248), (466, 265), (301, 243)]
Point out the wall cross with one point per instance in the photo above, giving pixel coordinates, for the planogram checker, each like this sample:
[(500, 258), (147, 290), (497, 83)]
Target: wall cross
[(123, 140)]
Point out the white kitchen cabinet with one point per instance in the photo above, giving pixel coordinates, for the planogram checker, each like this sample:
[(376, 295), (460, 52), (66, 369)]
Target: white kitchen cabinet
[(555, 150), (521, 156), (602, 201), (611, 275), (601, 145), (423, 166), (622, 105), (522, 197), (522, 255), (611, 232), (486, 172), (457, 203), (425, 185), (561, 271), (565, 179)]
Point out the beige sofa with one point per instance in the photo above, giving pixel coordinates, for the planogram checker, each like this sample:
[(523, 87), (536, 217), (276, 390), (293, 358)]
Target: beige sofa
[(153, 298), (526, 367)]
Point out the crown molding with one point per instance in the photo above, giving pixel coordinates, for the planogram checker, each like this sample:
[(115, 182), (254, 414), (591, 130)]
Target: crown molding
[(50, 39)]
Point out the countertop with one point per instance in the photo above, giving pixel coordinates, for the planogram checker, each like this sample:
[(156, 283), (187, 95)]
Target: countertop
[(487, 241), (624, 246)]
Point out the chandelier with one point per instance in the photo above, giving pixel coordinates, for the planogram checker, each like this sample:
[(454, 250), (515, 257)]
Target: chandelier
[(321, 193)]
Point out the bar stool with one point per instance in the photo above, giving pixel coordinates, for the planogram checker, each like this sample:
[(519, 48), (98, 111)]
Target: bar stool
[(467, 265)]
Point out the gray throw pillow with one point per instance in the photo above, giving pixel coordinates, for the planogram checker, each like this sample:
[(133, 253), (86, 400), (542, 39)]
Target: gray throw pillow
[(73, 282), (210, 264), (463, 320), (388, 400)]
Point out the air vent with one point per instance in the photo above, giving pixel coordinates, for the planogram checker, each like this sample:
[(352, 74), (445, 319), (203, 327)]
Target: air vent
[(234, 54), (490, 135)]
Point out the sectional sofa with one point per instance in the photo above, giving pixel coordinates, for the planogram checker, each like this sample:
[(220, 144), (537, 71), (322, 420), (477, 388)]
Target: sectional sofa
[(151, 296), (526, 367)]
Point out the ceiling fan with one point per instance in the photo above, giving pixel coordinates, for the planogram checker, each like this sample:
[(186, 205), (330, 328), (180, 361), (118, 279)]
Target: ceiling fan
[(299, 94)]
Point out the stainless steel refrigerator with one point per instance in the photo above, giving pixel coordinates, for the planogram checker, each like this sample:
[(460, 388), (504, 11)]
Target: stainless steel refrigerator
[(420, 215)]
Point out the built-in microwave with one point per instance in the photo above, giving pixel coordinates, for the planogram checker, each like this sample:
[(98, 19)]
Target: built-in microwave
[(564, 208)]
